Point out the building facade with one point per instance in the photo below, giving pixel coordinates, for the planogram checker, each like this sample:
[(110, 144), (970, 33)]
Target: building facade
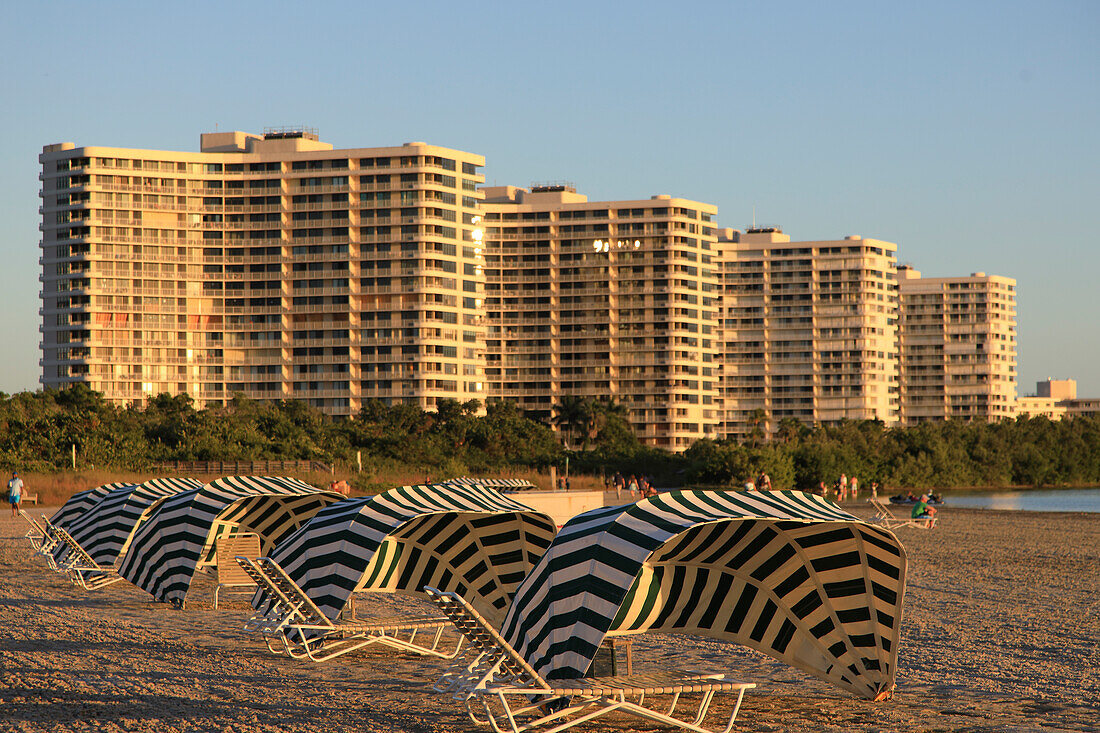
[(1055, 399), (613, 300), (808, 331), (957, 346), (269, 265)]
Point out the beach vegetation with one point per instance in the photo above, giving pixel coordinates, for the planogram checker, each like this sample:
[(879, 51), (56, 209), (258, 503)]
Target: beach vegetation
[(39, 430)]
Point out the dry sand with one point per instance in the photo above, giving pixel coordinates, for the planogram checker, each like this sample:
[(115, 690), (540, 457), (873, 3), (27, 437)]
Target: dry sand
[(1001, 633)]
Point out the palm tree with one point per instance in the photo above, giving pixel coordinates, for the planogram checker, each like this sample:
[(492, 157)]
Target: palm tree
[(758, 421), (572, 415), (790, 429), (582, 418)]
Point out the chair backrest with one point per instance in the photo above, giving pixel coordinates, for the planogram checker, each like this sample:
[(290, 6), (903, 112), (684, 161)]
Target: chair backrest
[(35, 525), (286, 586), (271, 601), (37, 533), (48, 527), (227, 548), (482, 636), (74, 547), (881, 507)]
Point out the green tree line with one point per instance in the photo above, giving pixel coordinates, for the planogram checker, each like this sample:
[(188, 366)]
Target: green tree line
[(37, 430)]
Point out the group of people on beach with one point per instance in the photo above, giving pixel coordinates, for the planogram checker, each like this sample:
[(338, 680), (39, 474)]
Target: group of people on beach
[(639, 487), (844, 489), (763, 482)]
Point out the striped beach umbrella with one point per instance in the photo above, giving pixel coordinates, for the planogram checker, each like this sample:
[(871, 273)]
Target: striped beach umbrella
[(178, 537), (785, 573), (504, 485), (466, 538), (81, 502), (105, 530)]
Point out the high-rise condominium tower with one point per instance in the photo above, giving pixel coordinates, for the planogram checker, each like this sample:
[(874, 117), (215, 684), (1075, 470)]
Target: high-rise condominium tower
[(612, 300), (809, 331), (958, 346), (269, 265)]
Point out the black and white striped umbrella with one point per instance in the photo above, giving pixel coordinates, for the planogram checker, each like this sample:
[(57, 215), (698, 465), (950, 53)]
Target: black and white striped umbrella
[(105, 529), (179, 536), (466, 538), (785, 573), (81, 502), (504, 485)]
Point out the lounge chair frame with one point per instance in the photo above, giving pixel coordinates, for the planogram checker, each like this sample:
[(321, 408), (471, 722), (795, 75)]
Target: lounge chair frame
[(292, 624), (887, 519), (42, 540), (500, 689), (81, 568)]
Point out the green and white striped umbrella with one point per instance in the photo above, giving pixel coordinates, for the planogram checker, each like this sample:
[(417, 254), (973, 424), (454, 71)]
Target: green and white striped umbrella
[(785, 573), (178, 538), (105, 530), (81, 502), (467, 538)]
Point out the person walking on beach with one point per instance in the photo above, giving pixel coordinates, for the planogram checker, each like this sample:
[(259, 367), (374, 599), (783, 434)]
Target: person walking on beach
[(855, 488), (842, 493), (874, 489), (15, 493), (632, 487)]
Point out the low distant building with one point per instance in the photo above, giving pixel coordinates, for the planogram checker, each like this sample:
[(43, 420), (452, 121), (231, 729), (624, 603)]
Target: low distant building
[(1089, 406), (1055, 399), (1035, 406)]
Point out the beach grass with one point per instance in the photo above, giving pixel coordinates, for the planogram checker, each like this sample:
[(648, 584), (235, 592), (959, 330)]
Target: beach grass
[(54, 488)]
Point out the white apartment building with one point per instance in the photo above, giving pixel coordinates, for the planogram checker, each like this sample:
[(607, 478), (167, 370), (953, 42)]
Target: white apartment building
[(269, 265), (808, 331)]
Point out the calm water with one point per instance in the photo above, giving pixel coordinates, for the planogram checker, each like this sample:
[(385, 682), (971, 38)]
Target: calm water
[(1032, 500)]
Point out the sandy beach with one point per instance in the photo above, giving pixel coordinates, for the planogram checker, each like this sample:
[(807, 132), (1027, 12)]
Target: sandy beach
[(1001, 633)]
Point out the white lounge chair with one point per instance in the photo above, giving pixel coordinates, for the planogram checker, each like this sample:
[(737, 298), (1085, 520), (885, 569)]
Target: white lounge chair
[(291, 620), (40, 540), (51, 546), (887, 519), (230, 574), (499, 688), (80, 567)]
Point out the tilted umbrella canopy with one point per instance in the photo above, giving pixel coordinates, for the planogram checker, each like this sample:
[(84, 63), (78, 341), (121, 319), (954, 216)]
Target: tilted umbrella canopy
[(178, 538), (504, 485), (81, 502), (467, 538), (105, 530), (785, 573)]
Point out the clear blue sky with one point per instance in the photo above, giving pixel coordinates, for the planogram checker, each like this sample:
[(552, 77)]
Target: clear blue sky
[(965, 132)]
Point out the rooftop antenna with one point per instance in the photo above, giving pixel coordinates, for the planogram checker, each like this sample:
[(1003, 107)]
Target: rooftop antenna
[(754, 216)]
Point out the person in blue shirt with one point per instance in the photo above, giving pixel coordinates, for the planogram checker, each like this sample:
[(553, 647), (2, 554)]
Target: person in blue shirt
[(15, 492)]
